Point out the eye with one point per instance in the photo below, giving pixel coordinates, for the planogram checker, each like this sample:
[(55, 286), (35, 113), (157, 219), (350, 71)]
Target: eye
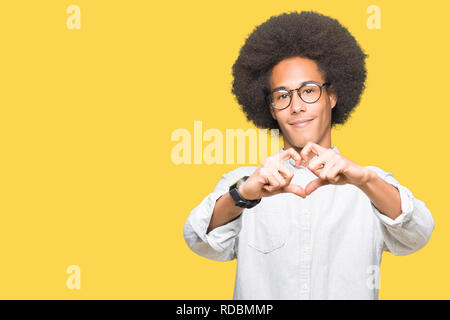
[(281, 95), (310, 90)]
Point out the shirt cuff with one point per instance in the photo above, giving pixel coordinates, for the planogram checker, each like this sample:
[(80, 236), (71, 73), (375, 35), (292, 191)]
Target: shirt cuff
[(220, 237), (407, 206)]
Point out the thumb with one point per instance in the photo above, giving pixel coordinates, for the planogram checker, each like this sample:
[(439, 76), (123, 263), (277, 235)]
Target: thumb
[(295, 189), (313, 185)]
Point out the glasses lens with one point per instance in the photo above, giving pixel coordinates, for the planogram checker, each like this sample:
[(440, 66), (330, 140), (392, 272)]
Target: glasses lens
[(310, 92), (281, 99)]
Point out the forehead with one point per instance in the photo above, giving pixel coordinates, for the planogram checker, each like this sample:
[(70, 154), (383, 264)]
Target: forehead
[(291, 72)]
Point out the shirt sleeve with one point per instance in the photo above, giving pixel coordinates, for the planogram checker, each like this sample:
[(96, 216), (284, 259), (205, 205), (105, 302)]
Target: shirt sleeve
[(219, 243), (411, 230)]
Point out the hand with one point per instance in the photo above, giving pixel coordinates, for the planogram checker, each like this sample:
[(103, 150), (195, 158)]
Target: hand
[(272, 177), (331, 168)]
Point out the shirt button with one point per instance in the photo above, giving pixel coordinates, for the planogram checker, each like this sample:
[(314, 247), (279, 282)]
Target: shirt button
[(305, 249), (305, 286)]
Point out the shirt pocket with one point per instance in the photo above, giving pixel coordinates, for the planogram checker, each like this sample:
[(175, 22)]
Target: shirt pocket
[(268, 230)]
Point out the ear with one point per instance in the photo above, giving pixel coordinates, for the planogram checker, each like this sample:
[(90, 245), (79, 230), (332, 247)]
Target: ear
[(272, 112), (332, 94)]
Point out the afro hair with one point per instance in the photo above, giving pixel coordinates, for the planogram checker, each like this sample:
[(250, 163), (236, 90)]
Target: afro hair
[(309, 35)]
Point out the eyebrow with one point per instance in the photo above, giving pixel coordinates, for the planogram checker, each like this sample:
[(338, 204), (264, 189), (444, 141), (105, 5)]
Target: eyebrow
[(283, 87)]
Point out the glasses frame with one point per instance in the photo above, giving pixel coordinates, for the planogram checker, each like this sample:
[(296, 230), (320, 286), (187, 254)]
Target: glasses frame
[(325, 84)]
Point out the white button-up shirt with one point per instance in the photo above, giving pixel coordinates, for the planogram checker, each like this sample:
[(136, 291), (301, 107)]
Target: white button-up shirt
[(326, 246)]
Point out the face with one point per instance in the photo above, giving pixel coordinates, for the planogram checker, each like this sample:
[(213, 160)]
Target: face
[(291, 73)]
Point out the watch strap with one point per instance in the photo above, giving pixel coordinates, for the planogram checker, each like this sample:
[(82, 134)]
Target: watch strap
[(237, 197)]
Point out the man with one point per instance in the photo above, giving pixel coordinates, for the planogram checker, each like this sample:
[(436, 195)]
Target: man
[(308, 223)]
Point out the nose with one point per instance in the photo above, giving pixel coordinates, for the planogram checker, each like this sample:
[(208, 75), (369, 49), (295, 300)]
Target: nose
[(297, 104)]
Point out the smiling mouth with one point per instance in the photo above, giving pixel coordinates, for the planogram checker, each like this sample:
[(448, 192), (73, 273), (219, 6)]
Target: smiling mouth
[(301, 123)]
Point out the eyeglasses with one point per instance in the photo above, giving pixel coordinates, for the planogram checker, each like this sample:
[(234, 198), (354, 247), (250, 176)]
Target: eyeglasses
[(309, 92)]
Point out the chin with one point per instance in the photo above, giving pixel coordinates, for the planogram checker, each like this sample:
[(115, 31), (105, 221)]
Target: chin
[(299, 141), (298, 144)]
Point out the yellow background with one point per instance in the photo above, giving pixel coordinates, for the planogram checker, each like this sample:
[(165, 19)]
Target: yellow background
[(86, 119)]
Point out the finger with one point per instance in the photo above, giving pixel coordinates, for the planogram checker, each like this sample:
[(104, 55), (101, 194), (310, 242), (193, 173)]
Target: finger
[(272, 183), (333, 173), (280, 179), (290, 153), (310, 150), (295, 189), (313, 185), (286, 173), (324, 173), (316, 164), (327, 158)]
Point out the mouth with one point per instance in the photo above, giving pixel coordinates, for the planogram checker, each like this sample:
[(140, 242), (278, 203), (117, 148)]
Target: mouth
[(300, 123)]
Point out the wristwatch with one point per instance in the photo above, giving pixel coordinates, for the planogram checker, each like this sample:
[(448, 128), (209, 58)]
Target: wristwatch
[(238, 199)]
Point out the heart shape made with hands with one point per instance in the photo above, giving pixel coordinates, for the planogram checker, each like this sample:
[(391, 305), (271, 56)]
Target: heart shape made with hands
[(327, 164)]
